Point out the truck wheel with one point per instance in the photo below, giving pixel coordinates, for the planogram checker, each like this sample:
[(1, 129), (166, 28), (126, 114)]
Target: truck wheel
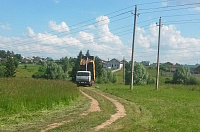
[(77, 85)]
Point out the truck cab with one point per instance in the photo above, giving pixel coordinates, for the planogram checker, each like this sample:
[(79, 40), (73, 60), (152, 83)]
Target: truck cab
[(83, 78)]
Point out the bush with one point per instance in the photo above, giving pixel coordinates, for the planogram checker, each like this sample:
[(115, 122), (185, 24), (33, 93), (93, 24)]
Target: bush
[(2, 71), (194, 81), (182, 75), (50, 70), (151, 80), (141, 76), (168, 81), (106, 77), (40, 73)]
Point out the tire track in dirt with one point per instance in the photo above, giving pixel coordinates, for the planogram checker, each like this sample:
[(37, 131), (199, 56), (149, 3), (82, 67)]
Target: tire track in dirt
[(120, 112), (94, 107)]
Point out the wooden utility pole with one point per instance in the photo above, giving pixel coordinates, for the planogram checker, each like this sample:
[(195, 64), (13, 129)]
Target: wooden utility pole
[(124, 71), (158, 56), (133, 45)]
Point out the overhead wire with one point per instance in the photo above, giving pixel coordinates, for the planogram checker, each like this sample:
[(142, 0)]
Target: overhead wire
[(148, 3)]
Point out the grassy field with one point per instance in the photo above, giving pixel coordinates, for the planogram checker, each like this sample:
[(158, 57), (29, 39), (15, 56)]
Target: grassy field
[(21, 96), (171, 108), (28, 72)]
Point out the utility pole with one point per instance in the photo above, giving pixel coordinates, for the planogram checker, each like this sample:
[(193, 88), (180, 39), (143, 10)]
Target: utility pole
[(133, 45), (158, 56), (124, 71)]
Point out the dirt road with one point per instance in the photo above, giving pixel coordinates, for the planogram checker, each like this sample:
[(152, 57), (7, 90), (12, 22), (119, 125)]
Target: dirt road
[(120, 112), (94, 107)]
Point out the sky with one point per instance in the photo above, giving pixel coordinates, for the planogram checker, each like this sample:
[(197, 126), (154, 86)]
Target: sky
[(59, 28)]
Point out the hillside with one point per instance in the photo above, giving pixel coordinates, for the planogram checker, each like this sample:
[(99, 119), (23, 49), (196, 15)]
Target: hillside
[(21, 71)]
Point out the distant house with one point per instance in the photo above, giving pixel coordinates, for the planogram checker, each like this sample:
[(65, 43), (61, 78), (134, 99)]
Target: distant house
[(197, 70), (153, 65), (191, 67), (169, 63), (49, 59), (114, 64), (146, 63), (174, 67), (104, 64)]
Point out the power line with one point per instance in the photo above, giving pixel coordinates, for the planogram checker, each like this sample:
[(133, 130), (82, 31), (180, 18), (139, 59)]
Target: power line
[(148, 3), (31, 41), (180, 15), (171, 6), (44, 38), (166, 10)]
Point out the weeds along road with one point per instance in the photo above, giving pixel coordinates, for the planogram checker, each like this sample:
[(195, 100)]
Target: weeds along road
[(112, 114)]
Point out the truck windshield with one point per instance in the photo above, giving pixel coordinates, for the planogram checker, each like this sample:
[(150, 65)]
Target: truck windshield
[(82, 74)]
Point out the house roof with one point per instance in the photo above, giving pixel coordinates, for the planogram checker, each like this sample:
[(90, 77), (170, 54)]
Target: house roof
[(191, 66), (116, 60), (145, 61)]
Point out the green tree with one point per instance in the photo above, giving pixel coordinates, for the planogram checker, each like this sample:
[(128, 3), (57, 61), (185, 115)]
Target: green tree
[(2, 71), (106, 76), (54, 71), (141, 76), (65, 64), (182, 75), (18, 57), (87, 53), (3, 54), (40, 73), (165, 67), (98, 66), (25, 66), (10, 67), (76, 66)]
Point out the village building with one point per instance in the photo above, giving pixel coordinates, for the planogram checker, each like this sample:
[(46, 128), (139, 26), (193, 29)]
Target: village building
[(146, 63), (197, 70), (113, 64)]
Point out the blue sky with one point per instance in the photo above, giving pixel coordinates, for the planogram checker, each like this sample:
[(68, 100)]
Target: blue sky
[(53, 28)]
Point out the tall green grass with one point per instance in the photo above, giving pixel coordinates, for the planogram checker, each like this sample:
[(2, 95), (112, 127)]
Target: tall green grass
[(29, 95)]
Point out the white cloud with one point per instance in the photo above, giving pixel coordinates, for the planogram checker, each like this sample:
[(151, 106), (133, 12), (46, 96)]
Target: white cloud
[(62, 27), (87, 37), (197, 8), (5, 26), (105, 35), (30, 32), (105, 44), (91, 27), (174, 47), (56, 1)]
